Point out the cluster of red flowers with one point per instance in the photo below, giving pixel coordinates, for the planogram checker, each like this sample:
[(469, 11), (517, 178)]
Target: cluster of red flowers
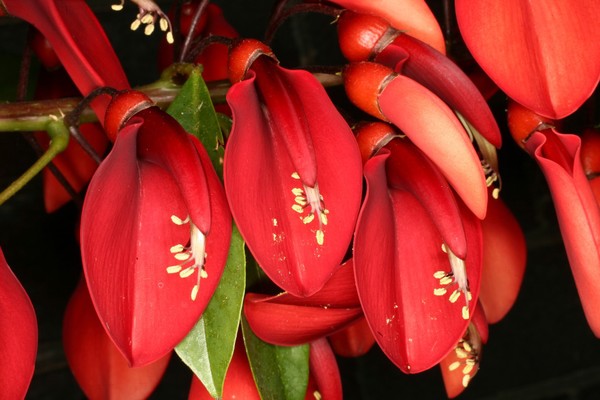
[(388, 230)]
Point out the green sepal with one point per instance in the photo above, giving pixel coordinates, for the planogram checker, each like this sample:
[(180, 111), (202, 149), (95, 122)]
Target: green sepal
[(280, 373)]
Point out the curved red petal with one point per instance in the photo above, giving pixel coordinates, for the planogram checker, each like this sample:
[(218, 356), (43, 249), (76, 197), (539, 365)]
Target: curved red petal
[(577, 211), (297, 248), (354, 340), (99, 368), (443, 77), (324, 370), (433, 128), (545, 64), (290, 325), (18, 335), (411, 16)]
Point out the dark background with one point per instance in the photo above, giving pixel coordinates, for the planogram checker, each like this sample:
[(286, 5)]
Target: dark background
[(542, 350)]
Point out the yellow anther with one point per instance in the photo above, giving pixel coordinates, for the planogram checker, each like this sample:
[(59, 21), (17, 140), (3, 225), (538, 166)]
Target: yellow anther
[(439, 274), (300, 200), (149, 29), (439, 291), (308, 219), (446, 280), (320, 237), (465, 380), (171, 40), (173, 269), (324, 219), (182, 256), (298, 208), (148, 18), (203, 274), (178, 248), (465, 312), (194, 293), (454, 296), (187, 272), (297, 192), (460, 353), (454, 365), (467, 369), (295, 175), (466, 346), (164, 24), (118, 7), (135, 25)]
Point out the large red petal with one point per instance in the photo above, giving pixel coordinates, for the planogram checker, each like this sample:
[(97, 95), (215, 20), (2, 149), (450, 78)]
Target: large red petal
[(99, 368), (261, 179), (324, 370), (549, 51), (433, 128), (577, 211), (411, 16), (18, 335)]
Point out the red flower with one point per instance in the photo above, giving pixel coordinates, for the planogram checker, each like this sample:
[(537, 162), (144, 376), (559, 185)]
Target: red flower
[(558, 156), (18, 335), (292, 171), (367, 37), (429, 123), (99, 368), (417, 255), (550, 51), (155, 231), (354, 340)]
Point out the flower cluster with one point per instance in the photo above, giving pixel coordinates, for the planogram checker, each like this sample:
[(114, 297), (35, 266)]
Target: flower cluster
[(376, 218)]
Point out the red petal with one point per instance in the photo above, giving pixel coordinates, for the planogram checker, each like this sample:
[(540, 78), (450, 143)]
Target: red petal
[(79, 41), (439, 74), (324, 370), (434, 129), (411, 16), (288, 320), (18, 335), (577, 211), (544, 64), (504, 260), (354, 340), (239, 382), (99, 368), (267, 146), (127, 234), (396, 253)]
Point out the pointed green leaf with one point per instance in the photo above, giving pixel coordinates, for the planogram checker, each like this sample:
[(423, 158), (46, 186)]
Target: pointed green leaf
[(280, 373), (208, 348), (194, 110)]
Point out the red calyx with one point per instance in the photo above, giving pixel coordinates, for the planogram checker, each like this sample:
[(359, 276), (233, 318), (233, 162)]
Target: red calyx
[(363, 36), (364, 81), (122, 107), (372, 136), (590, 151), (522, 122), (241, 56)]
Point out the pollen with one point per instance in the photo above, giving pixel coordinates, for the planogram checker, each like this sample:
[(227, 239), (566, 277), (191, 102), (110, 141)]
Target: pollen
[(192, 257), (320, 236), (456, 277), (467, 354), (295, 175)]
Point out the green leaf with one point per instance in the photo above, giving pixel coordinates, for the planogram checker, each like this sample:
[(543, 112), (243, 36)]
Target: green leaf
[(208, 348), (280, 373), (194, 110)]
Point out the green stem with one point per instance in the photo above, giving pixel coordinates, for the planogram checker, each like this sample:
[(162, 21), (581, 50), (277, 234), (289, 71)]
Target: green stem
[(36, 115), (59, 135)]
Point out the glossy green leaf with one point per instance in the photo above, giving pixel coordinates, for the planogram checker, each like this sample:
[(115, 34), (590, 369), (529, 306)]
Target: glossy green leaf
[(194, 110), (281, 373), (208, 348)]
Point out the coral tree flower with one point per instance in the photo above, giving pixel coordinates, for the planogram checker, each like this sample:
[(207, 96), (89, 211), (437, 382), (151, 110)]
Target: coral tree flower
[(550, 50), (287, 320), (366, 37), (429, 123), (155, 230), (18, 335), (292, 171), (98, 366), (558, 156), (417, 255)]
